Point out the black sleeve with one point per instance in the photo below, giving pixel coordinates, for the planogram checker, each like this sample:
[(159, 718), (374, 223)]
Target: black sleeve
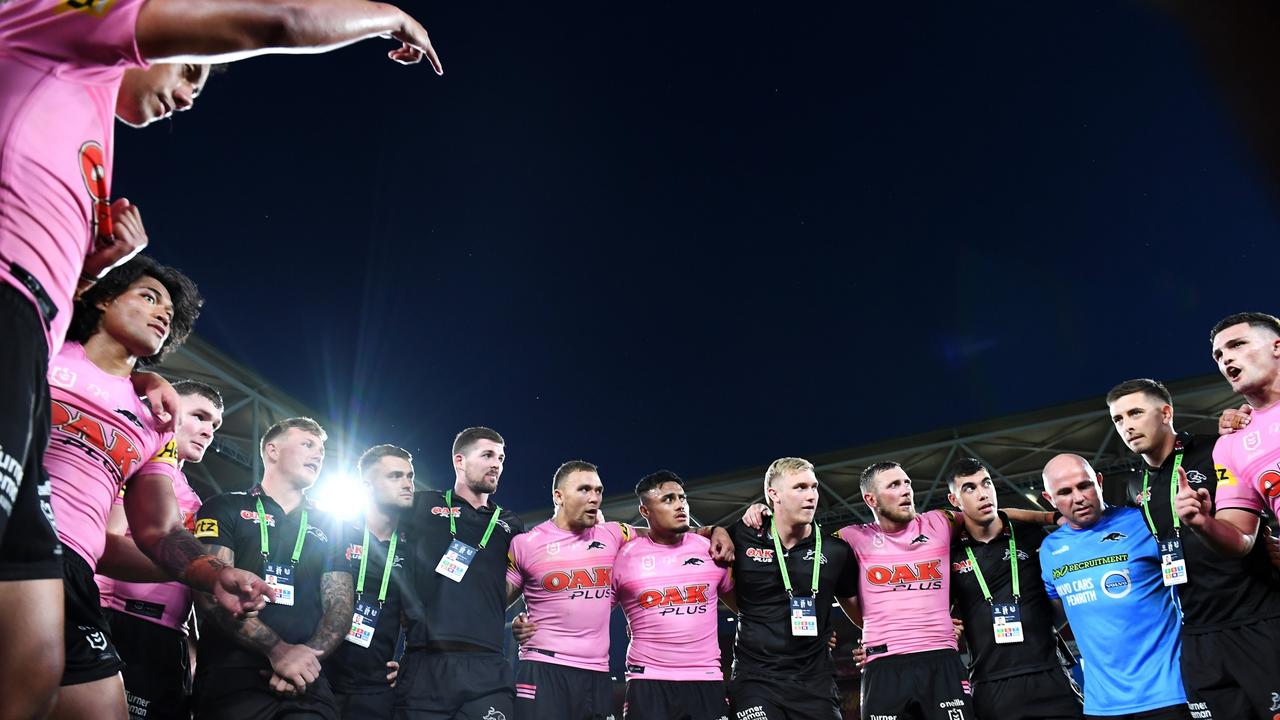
[(517, 525), (216, 521), (847, 580)]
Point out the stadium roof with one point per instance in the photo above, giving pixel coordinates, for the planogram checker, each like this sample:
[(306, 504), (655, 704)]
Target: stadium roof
[(252, 404), (1015, 448)]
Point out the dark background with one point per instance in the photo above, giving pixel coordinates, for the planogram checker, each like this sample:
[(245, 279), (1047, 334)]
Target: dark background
[(704, 235)]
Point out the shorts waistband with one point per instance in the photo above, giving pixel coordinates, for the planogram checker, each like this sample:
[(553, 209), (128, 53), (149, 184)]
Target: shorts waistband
[(913, 657)]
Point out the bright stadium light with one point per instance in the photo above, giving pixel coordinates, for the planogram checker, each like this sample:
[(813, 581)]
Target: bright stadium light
[(341, 494)]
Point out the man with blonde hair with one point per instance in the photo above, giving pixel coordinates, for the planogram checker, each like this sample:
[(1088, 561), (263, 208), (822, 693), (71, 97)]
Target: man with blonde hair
[(786, 576)]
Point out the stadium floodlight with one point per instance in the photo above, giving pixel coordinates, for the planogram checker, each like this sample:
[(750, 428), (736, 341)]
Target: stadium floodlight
[(342, 494)]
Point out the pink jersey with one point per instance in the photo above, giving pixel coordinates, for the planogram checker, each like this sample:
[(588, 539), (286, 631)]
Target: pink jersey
[(669, 593), (167, 603), (1248, 464), (103, 434), (905, 584), (567, 582), (61, 62)]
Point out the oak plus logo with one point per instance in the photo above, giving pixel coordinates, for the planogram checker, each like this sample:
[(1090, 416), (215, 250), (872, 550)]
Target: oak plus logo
[(760, 555), (584, 584), (913, 576), (676, 600)]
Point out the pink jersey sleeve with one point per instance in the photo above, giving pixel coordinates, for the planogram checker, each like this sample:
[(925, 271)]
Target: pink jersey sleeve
[(1232, 494), (514, 574)]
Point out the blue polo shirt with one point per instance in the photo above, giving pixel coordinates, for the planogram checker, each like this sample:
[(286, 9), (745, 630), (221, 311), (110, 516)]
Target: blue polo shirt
[(1125, 621)]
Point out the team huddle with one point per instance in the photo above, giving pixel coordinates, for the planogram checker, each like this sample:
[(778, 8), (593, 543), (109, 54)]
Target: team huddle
[(126, 596)]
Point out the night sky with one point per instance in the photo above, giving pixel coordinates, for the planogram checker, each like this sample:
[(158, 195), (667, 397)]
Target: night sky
[(704, 235)]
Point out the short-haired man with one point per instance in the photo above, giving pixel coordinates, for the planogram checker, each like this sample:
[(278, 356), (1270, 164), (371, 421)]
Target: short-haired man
[(269, 666), (1230, 605), (1103, 567), (564, 568), (669, 589), (453, 666), (363, 668), (103, 436), (1014, 665), (148, 620), (787, 575)]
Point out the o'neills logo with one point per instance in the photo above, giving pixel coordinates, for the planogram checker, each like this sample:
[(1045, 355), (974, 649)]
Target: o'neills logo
[(917, 576), (687, 600), (444, 511), (593, 583), (761, 555)]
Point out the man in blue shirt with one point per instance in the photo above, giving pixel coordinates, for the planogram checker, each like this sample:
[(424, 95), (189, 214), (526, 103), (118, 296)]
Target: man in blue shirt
[(1104, 568)]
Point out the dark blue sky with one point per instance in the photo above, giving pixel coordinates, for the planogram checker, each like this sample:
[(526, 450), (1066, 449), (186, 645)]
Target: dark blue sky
[(703, 235)]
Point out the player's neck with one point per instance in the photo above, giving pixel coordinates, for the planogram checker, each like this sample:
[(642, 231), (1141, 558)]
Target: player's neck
[(561, 521), (109, 355), (663, 536), (890, 525), (1266, 396), (1158, 454), (790, 531), (381, 521), (463, 491), (984, 532), (287, 495)]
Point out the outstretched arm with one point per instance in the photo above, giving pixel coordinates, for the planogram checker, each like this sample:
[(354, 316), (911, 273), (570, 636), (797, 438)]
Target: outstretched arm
[(226, 30)]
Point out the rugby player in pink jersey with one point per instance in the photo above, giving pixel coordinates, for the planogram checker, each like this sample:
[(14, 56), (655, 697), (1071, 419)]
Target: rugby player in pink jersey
[(102, 437), (149, 620), (564, 568), (669, 589)]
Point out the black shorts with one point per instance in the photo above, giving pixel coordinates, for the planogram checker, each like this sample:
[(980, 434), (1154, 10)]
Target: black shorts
[(454, 685), (930, 685), (91, 655), (1234, 671), (546, 691), (1045, 695), (762, 698), (257, 702), (675, 700), (29, 547), (1173, 712), (377, 705), (157, 668)]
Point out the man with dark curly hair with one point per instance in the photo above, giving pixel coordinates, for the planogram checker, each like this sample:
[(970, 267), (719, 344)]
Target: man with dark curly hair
[(105, 443)]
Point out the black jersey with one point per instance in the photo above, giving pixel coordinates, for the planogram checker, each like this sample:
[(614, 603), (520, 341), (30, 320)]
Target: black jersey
[(472, 611), (764, 645), (1039, 649), (353, 669), (1220, 592)]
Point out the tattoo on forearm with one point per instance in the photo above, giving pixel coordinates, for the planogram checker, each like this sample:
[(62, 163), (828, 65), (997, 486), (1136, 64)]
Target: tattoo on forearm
[(250, 633), (175, 551), (337, 592)]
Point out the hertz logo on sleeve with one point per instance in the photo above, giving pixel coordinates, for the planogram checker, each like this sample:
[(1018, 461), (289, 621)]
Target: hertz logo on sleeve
[(206, 527), (168, 454), (1225, 477)]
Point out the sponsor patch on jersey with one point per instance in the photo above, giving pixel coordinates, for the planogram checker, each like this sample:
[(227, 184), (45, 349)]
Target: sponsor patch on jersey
[(206, 527), (1225, 477), (168, 454)]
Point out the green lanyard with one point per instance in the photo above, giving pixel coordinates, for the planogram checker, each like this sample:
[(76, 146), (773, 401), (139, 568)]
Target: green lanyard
[(817, 559), (265, 541), (386, 571), (1013, 563), (1173, 496), (453, 527)]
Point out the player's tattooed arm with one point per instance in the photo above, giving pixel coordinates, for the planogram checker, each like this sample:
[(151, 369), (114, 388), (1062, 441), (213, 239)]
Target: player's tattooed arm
[(250, 632), (153, 517), (337, 598)]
